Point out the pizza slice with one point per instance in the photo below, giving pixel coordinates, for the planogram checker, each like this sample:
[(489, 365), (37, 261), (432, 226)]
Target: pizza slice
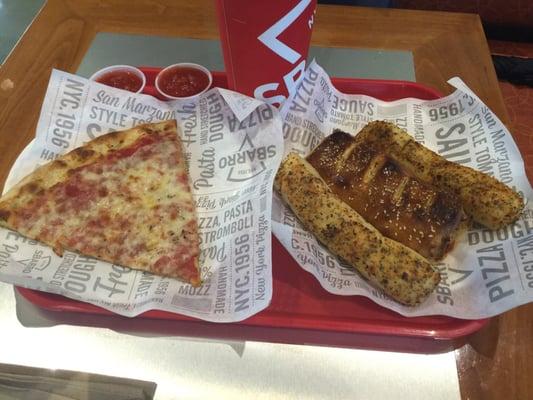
[(123, 198)]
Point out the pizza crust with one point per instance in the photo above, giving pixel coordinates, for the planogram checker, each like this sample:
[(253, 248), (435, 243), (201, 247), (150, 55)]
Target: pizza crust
[(123, 198), (56, 171)]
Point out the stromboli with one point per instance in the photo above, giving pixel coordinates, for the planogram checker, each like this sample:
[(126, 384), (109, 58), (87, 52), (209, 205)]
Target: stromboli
[(484, 198), (399, 205)]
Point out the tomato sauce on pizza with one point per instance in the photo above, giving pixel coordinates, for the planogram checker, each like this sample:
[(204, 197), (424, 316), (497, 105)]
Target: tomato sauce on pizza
[(123, 198)]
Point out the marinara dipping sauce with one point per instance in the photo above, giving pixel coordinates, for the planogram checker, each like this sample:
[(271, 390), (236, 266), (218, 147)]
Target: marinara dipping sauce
[(122, 77), (184, 80)]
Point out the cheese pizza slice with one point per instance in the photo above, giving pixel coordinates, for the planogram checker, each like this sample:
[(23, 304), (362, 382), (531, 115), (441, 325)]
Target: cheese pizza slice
[(123, 198)]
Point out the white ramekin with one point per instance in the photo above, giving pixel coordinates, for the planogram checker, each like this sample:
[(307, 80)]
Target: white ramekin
[(183, 65), (113, 68)]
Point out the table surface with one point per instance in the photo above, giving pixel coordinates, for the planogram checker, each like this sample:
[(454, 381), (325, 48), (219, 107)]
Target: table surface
[(193, 368), (112, 48), (495, 361)]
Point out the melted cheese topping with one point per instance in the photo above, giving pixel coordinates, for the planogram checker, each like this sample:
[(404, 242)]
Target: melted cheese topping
[(133, 207)]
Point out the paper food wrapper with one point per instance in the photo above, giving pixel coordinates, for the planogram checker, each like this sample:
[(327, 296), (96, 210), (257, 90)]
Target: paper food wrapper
[(234, 146), (488, 272)]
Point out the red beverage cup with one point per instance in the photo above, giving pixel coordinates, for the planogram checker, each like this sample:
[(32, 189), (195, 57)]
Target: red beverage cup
[(265, 45)]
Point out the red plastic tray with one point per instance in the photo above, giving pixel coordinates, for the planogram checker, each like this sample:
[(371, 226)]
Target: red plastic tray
[(301, 311)]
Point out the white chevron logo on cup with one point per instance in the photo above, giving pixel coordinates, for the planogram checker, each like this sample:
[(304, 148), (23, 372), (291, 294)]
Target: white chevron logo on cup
[(270, 37)]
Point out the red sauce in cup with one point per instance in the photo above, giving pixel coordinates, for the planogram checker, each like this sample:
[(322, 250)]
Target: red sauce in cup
[(121, 79), (183, 81)]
